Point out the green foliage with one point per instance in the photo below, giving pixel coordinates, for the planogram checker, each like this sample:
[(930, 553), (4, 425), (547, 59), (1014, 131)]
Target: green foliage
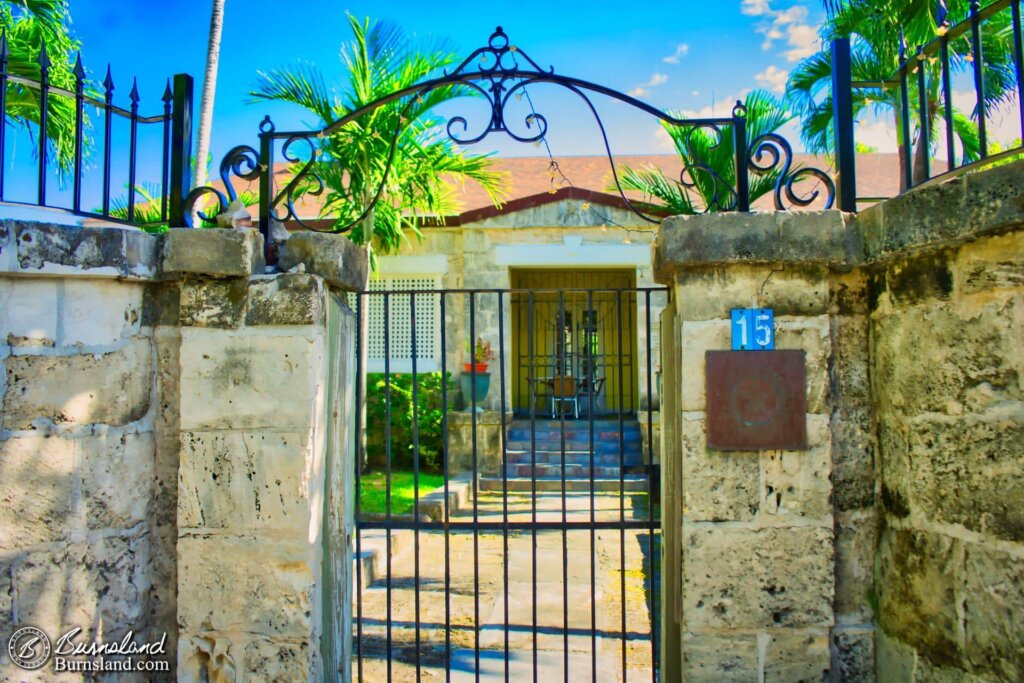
[(373, 493), (379, 61), (863, 148), (429, 419), (482, 351), (28, 24), (702, 146), (874, 28)]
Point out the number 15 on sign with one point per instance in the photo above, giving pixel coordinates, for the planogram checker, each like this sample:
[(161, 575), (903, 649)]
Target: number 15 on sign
[(753, 329)]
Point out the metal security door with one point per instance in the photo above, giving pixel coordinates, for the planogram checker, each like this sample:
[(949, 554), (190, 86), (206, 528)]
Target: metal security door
[(494, 546)]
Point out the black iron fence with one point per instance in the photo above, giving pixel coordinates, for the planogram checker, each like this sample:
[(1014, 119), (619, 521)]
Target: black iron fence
[(30, 99), (932, 67)]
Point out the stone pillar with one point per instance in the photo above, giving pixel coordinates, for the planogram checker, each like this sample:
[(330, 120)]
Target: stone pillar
[(756, 531), (267, 365)]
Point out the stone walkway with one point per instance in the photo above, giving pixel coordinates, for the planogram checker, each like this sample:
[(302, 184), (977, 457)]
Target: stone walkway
[(480, 600)]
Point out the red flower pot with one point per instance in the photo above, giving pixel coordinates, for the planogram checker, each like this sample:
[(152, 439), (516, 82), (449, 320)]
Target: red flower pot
[(479, 368)]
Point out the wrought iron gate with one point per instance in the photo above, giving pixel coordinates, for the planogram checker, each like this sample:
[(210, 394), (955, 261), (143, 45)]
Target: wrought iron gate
[(496, 546)]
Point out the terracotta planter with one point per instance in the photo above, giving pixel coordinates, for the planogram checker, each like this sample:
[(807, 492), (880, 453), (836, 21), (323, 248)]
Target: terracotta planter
[(479, 368)]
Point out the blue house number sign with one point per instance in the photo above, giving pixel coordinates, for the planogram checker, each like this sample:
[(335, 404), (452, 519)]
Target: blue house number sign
[(753, 329)]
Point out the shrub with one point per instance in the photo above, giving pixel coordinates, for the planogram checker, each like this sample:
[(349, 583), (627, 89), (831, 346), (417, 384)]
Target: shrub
[(429, 420)]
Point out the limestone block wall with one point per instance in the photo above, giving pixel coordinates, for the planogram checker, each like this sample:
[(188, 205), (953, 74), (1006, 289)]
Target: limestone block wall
[(87, 477), (947, 373), (177, 447)]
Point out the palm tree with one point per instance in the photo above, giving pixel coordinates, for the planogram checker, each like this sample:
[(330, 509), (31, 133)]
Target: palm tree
[(27, 25), (875, 28), (709, 163), (209, 91), (352, 160)]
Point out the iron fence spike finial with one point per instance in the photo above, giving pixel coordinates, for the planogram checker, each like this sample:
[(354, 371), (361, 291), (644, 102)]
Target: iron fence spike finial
[(168, 93), (44, 57), (79, 69), (4, 50), (134, 94), (108, 83)]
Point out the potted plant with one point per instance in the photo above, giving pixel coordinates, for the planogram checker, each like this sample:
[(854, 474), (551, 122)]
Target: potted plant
[(481, 354), (476, 381)]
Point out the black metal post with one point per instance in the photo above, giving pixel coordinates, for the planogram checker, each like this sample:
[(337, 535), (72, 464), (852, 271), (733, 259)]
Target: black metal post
[(979, 81), (108, 103), (44, 119), (842, 121), (79, 132), (739, 134), (133, 141), (165, 166), (924, 115), (266, 183), (1018, 60), (181, 149), (4, 53)]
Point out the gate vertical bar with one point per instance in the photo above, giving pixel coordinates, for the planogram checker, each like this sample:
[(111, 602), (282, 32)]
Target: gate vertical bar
[(476, 474), (650, 491), (388, 513), (947, 97), (181, 150), (1018, 60), (842, 121), (563, 336), (622, 483), (905, 147), (133, 142), (165, 166), (531, 359), (415, 479), (447, 512), (504, 468), (358, 505), (591, 373), (4, 53), (739, 133), (923, 114)]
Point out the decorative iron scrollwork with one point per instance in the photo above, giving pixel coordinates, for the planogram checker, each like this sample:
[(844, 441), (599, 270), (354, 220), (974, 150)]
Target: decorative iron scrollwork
[(779, 151), (242, 162)]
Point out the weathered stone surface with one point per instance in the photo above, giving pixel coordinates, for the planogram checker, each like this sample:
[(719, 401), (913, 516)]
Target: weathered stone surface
[(723, 486), (96, 312), (853, 467), (709, 292), (212, 253), (335, 258), (30, 312), (856, 541), (287, 299), (757, 578), (848, 293), (806, 236), (995, 199), (793, 656), (923, 217), (246, 583), (969, 359), (994, 613), (99, 252), (991, 264), (210, 656), (489, 438), (924, 277), (161, 304), (111, 388), (895, 661), (919, 580), (37, 484), (6, 600), (967, 470), (99, 586), (799, 483), (213, 303), (117, 475), (261, 381), (236, 480), (714, 658), (853, 654), (278, 659)]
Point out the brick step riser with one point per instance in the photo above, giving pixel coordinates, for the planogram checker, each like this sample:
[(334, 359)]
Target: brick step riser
[(571, 472), (582, 459), (527, 485), (583, 435), (575, 448), (582, 423)]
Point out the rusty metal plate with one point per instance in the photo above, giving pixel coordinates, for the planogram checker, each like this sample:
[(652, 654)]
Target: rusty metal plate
[(757, 400)]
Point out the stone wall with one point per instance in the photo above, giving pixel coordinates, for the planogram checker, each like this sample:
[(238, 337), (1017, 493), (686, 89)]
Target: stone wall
[(890, 550), (176, 446), (947, 369)]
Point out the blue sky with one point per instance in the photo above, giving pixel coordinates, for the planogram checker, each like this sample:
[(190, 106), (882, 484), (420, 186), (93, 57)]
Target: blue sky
[(681, 55)]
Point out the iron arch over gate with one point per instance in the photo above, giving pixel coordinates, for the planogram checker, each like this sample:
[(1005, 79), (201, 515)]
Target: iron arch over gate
[(496, 72)]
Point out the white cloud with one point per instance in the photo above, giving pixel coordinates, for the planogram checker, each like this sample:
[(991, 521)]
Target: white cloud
[(721, 108), (645, 89), (682, 49), (696, 93), (663, 141), (790, 25), (773, 78)]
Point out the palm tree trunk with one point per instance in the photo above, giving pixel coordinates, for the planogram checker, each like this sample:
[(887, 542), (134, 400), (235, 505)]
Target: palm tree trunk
[(364, 336), (209, 90)]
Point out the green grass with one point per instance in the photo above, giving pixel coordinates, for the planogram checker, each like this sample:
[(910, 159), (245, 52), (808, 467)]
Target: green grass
[(373, 491)]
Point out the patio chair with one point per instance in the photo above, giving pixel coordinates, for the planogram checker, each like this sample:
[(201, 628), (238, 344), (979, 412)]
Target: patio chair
[(564, 390), (586, 390)]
